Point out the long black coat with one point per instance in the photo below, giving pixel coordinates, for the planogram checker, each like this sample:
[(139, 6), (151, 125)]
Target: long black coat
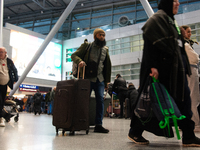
[(161, 51)]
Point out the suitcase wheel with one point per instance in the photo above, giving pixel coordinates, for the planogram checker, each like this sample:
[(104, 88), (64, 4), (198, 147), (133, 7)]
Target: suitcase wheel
[(87, 131)]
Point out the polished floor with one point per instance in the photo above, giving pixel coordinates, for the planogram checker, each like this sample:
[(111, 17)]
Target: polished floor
[(37, 133)]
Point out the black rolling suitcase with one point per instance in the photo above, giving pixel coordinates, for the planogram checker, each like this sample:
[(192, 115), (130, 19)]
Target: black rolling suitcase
[(127, 108), (71, 105)]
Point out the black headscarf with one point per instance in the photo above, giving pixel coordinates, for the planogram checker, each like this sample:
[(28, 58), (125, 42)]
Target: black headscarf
[(167, 6)]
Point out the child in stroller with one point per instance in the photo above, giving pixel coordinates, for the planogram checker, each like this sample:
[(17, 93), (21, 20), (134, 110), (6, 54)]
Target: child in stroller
[(10, 110)]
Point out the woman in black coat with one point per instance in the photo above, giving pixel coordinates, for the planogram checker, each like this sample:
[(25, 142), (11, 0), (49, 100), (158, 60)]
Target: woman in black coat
[(164, 57)]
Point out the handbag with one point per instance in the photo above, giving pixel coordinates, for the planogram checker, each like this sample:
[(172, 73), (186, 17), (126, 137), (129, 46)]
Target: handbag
[(164, 106), (143, 110)]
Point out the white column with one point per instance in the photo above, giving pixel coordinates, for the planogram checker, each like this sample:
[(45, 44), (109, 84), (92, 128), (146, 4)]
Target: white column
[(49, 37), (147, 8), (1, 23)]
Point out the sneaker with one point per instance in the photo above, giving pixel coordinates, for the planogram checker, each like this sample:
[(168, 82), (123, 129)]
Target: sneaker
[(2, 123), (194, 142), (138, 139), (100, 129)]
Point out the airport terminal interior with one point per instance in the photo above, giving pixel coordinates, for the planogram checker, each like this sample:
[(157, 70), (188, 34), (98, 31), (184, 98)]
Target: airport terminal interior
[(26, 26)]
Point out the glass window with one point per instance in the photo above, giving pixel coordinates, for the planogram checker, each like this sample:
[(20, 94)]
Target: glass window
[(116, 68), (193, 33), (125, 45), (116, 52), (127, 77), (81, 15), (136, 65), (127, 72), (96, 22), (117, 46), (192, 26), (134, 43), (80, 25), (198, 38), (126, 66), (116, 41), (102, 11), (134, 77), (198, 25), (43, 29), (198, 32), (136, 48), (124, 8), (135, 37), (126, 39), (126, 50)]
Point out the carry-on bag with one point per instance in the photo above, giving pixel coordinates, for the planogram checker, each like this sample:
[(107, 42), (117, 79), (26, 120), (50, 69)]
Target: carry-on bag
[(92, 108), (127, 108), (71, 105), (164, 107)]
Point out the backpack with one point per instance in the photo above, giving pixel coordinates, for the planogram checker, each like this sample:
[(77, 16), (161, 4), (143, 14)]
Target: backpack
[(37, 99), (75, 66)]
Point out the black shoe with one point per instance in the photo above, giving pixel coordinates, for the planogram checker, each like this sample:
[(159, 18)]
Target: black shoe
[(138, 139), (194, 142), (100, 129)]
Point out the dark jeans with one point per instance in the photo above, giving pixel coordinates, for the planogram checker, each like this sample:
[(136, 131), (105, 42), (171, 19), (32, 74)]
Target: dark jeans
[(98, 88), (3, 91), (122, 96), (186, 125)]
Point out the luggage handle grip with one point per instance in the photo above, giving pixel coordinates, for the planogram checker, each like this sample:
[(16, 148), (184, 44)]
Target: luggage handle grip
[(79, 71)]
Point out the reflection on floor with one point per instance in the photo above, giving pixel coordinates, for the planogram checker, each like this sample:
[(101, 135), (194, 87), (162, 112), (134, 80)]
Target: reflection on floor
[(37, 133)]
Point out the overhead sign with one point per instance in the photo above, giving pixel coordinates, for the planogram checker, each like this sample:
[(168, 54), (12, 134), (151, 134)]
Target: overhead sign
[(28, 88)]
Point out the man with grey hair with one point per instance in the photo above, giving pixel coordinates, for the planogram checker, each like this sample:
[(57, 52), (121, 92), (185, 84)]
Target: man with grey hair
[(8, 76)]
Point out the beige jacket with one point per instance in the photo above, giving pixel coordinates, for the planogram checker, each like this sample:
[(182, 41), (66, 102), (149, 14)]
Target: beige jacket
[(192, 55)]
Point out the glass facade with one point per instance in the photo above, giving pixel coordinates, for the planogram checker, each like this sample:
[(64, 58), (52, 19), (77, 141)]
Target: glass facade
[(83, 23)]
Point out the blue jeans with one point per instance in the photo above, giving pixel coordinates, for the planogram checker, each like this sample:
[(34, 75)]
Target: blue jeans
[(98, 88), (50, 107), (43, 106)]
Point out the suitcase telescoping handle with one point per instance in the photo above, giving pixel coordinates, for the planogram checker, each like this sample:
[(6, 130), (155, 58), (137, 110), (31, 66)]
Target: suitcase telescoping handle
[(83, 72)]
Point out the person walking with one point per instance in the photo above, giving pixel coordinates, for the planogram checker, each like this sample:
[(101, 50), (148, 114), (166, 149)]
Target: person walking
[(164, 58), (120, 88), (193, 80), (8, 76), (99, 57)]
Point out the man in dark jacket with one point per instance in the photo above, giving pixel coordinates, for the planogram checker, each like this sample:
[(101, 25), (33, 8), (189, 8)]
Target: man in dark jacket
[(120, 88), (37, 102), (8, 76), (164, 58), (97, 54)]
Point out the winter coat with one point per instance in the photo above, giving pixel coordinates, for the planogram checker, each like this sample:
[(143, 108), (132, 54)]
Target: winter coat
[(162, 51), (78, 55), (119, 85), (12, 73)]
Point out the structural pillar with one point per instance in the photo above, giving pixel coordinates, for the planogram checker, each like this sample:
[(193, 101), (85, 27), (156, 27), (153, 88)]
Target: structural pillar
[(1, 23), (147, 8), (49, 37)]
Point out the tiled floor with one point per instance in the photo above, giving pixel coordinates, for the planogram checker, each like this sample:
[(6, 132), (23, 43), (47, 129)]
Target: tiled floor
[(37, 133)]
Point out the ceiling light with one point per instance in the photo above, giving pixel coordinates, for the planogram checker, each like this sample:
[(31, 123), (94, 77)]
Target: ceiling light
[(82, 4), (42, 12)]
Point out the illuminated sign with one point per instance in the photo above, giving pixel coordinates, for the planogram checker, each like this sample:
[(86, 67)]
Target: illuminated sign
[(24, 47), (28, 88)]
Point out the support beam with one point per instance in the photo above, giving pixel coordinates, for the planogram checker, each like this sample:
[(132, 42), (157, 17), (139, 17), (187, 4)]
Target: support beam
[(49, 37), (147, 8), (1, 23)]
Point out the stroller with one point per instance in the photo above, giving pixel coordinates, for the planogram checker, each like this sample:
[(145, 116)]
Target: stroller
[(10, 110)]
